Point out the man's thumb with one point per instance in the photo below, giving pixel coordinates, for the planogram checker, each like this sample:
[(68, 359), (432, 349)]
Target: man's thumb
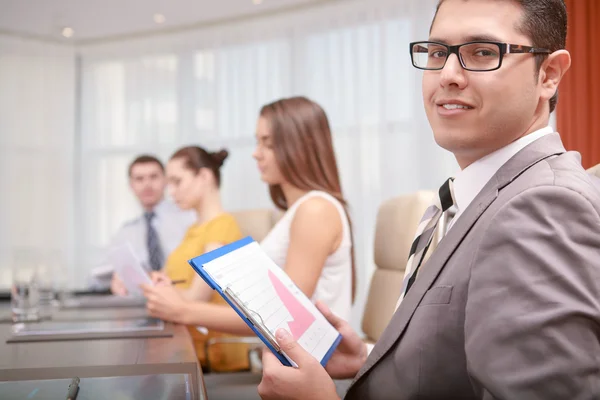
[(289, 345)]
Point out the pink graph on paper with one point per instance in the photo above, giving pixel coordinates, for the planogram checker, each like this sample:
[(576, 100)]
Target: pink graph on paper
[(302, 319)]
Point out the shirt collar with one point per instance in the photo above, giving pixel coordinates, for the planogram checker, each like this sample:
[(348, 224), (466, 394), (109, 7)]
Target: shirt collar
[(469, 182), (161, 208)]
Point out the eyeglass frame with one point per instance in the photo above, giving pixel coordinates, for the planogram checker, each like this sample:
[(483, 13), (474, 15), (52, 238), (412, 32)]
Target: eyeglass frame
[(505, 48)]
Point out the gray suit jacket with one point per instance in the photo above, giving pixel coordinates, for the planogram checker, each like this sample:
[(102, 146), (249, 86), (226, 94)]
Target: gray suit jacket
[(508, 305)]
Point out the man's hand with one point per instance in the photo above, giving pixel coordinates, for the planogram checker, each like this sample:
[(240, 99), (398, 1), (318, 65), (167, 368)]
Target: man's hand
[(166, 303), (117, 287), (351, 353), (308, 381)]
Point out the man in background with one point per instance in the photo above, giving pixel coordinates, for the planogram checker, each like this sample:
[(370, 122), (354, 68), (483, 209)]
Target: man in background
[(155, 233)]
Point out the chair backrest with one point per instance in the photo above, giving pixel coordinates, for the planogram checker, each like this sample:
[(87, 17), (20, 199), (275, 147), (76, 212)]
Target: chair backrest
[(397, 222), (256, 222), (595, 170)]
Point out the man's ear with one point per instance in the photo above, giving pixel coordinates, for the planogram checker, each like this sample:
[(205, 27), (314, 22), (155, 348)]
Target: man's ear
[(552, 71)]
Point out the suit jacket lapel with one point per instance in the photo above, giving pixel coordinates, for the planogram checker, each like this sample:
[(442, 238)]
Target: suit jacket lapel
[(542, 148), (428, 274)]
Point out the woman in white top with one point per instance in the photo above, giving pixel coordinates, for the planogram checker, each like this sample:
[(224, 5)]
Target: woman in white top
[(313, 240)]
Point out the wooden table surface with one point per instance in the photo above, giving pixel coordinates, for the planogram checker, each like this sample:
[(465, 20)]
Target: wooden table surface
[(102, 357)]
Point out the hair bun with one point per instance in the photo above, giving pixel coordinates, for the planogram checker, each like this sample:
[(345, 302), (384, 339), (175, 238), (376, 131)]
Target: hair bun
[(220, 156)]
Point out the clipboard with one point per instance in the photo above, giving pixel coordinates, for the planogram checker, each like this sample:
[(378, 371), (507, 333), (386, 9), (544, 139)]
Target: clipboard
[(250, 317)]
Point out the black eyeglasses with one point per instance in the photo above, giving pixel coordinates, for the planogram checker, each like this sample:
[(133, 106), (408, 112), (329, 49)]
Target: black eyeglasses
[(474, 56)]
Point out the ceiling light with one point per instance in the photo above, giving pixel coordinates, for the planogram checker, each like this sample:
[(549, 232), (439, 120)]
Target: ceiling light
[(256, 2), (68, 32), (159, 18)]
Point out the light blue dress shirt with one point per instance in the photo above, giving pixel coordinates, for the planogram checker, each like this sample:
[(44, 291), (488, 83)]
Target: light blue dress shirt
[(171, 224)]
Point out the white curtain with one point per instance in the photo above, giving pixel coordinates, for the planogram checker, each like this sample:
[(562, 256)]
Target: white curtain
[(207, 86), (37, 125)]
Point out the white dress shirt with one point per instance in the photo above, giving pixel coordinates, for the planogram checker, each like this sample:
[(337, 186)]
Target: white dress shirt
[(171, 224), (469, 182)]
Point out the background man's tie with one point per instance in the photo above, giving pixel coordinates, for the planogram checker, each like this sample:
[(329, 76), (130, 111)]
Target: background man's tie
[(155, 254), (442, 202)]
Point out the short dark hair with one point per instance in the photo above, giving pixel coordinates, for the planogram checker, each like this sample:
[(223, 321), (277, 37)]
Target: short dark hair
[(195, 158), (545, 23), (145, 159)]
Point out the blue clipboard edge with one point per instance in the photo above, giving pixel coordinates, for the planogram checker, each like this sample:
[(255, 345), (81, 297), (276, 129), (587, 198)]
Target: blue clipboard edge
[(197, 264), (329, 353), (221, 251)]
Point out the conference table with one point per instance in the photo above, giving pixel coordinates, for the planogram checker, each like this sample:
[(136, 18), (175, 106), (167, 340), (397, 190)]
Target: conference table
[(160, 367)]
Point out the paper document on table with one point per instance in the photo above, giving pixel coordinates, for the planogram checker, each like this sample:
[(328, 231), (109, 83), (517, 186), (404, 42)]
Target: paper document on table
[(129, 269), (72, 327), (266, 298)]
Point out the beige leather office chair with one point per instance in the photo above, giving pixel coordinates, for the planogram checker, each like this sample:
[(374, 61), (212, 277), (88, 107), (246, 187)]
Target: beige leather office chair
[(595, 170), (258, 222), (397, 222)]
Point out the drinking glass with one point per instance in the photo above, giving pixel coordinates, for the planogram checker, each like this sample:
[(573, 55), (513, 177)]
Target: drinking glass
[(24, 299)]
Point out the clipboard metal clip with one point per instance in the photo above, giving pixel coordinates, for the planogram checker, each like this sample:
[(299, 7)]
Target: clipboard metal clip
[(253, 317)]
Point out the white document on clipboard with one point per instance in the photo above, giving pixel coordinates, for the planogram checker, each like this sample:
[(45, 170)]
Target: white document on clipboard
[(266, 298), (129, 269)]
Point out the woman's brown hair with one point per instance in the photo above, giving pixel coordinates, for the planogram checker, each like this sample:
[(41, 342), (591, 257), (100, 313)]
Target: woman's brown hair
[(303, 148), (195, 158)]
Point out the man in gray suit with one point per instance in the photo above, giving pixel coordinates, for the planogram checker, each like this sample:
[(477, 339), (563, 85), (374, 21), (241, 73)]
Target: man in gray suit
[(508, 304)]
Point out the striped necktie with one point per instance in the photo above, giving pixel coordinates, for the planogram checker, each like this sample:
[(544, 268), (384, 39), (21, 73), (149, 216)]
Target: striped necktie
[(442, 202), (155, 254)]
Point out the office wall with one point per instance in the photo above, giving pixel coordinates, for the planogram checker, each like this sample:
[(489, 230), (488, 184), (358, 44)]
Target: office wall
[(37, 119), (577, 111)]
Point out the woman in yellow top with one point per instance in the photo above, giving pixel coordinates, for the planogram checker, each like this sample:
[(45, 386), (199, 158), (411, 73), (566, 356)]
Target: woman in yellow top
[(194, 178)]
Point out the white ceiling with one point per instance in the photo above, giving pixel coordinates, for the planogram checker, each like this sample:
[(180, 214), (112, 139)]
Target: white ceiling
[(102, 19)]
